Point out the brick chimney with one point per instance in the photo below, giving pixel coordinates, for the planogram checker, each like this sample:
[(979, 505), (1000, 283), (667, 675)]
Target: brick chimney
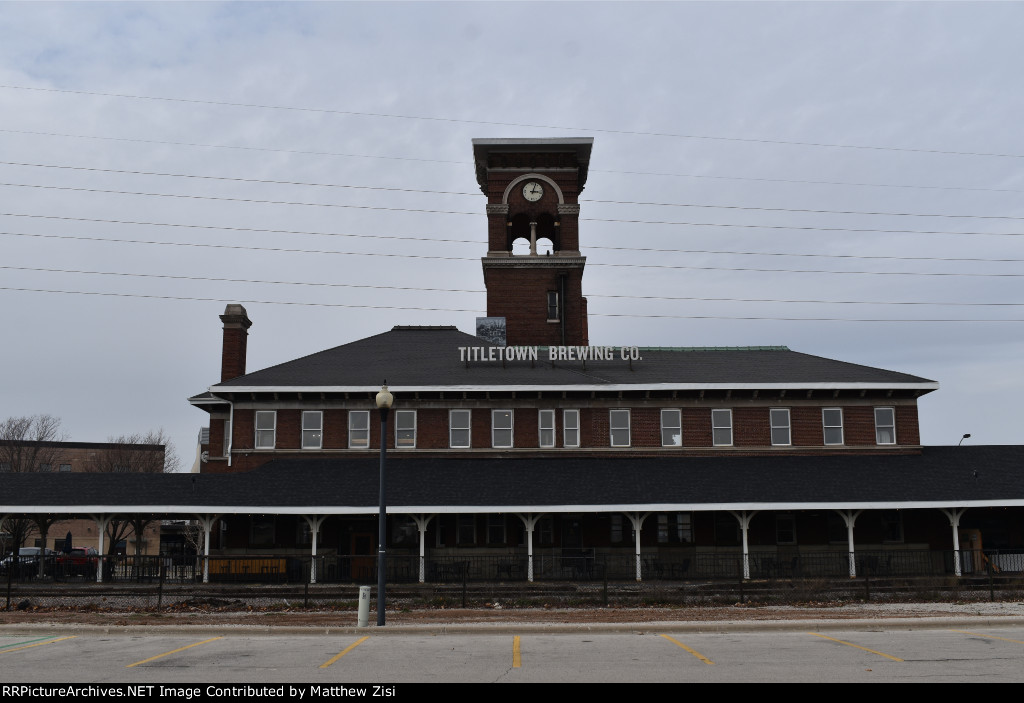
[(236, 326)]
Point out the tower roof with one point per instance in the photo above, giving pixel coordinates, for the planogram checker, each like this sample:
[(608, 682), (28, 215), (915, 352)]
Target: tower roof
[(579, 146)]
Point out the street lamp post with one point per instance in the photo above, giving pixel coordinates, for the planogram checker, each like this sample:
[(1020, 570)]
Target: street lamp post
[(384, 401)]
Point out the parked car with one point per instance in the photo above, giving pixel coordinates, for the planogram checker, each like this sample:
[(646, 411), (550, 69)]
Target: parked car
[(80, 561), (26, 564)]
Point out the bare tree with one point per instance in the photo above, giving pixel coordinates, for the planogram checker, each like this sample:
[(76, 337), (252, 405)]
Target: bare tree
[(30, 443), (140, 453)]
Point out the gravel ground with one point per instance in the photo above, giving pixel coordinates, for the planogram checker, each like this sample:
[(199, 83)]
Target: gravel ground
[(497, 615)]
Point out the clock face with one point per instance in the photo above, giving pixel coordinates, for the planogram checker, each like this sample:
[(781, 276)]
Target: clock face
[(533, 191)]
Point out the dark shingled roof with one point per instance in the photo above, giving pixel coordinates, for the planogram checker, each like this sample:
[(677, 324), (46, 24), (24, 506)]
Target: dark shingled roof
[(429, 358), (950, 476)]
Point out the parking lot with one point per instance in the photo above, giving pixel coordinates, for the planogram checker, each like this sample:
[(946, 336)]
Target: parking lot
[(988, 654)]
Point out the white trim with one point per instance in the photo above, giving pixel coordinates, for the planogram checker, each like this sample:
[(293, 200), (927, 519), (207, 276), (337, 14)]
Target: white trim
[(415, 421), (468, 428), (679, 415), (818, 386), (541, 428), (256, 428), (788, 427), (452, 509), (577, 430), (826, 427), (612, 428), (891, 409), (303, 430), (714, 427), (352, 414), (511, 429)]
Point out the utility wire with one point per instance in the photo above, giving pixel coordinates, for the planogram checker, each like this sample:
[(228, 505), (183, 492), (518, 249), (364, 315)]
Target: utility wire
[(435, 240), (463, 258), (476, 214), (478, 195), (354, 113), (478, 291), (399, 307), (201, 145)]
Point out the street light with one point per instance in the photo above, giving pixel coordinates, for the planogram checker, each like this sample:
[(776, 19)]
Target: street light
[(966, 436), (384, 401)]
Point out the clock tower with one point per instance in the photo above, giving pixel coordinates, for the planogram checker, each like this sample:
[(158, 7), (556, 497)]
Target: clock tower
[(532, 188)]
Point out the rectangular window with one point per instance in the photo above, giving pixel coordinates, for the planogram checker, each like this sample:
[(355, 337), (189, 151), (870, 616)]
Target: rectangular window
[(501, 429), (227, 437), (546, 428), (727, 530), (266, 429), (47, 468), (405, 429), (721, 428), (496, 529), (618, 421), (546, 530), (5, 466), (359, 429), (404, 532), (671, 428), (675, 528), (553, 311), (304, 533), (570, 428), (616, 529), (65, 467), (684, 527), (458, 429), (832, 423), (785, 529), (262, 530), (312, 429), (892, 526), (466, 530), (885, 425), (780, 427)]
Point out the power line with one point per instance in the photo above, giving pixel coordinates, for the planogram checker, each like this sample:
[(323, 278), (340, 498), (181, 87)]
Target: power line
[(234, 300), (230, 146), (476, 214), (398, 307), (435, 240), (673, 135), (798, 181), (304, 152), (478, 195), (233, 200), (462, 258), (239, 180), (806, 210), (478, 291)]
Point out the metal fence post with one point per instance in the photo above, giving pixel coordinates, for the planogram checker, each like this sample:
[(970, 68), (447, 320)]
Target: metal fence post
[(160, 585)]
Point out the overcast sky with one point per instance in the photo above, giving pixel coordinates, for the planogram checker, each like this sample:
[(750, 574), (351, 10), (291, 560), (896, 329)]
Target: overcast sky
[(841, 153)]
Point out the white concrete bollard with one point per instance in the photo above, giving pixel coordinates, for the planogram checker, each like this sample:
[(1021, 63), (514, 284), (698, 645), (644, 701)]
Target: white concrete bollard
[(364, 606)]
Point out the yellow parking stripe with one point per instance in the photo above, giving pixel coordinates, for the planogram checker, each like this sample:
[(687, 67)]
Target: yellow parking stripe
[(38, 644), (517, 656), (694, 652), (857, 646), (343, 652), (174, 651), (989, 637)]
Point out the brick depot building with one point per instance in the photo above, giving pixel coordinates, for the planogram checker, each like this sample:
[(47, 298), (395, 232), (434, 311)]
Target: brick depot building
[(519, 456)]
